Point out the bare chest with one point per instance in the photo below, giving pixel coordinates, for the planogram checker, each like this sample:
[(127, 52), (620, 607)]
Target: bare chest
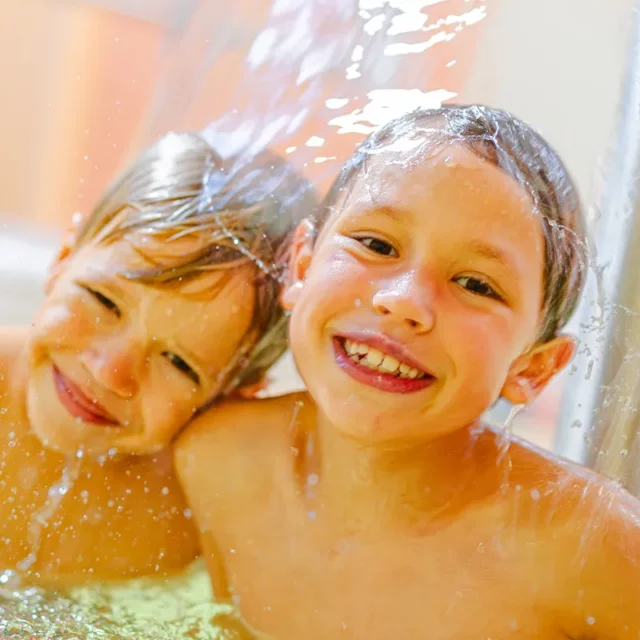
[(292, 579)]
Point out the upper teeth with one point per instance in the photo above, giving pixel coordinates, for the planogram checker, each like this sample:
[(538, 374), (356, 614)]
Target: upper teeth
[(375, 359)]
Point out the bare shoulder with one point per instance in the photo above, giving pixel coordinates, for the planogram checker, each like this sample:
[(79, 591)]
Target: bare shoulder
[(597, 536), (236, 443), (12, 341), (247, 424), (576, 483), (12, 344), (590, 526), (566, 494)]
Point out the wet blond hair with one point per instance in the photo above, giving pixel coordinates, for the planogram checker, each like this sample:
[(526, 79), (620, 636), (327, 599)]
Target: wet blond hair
[(245, 209), (517, 149)]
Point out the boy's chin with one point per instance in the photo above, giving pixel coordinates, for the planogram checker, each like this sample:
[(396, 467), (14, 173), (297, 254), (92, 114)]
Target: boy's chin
[(58, 432), (374, 430)]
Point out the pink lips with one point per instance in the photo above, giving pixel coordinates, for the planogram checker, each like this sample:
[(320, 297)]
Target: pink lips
[(78, 404), (382, 381)]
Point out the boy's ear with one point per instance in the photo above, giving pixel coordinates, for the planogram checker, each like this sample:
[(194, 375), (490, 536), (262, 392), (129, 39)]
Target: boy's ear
[(251, 391), (531, 372), (299, 261), (66, 248)]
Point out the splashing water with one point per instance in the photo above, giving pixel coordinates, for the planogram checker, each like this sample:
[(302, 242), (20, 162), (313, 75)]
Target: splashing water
[(504, 441), (40, 519), (315, 71)]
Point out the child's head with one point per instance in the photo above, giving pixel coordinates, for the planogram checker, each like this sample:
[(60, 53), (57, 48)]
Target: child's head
[(164, 298), (449, 258)]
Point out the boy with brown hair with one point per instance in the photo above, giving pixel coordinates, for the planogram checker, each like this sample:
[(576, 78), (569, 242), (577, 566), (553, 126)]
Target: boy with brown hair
[(163, 300), (447, 258)]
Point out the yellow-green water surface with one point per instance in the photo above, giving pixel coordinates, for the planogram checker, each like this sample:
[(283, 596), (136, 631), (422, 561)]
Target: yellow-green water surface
[(143, 609)]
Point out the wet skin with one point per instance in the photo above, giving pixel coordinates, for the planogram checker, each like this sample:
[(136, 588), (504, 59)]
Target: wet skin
[(114, 369), (376, 497)]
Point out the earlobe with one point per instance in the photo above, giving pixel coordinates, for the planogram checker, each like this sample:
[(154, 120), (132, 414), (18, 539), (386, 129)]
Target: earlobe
[(300, 259), (531, 373)]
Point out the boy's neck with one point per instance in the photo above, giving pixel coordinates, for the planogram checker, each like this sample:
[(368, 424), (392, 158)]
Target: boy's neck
[(368, 487)]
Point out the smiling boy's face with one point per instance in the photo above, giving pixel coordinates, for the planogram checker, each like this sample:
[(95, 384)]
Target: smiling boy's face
[(116, 364), (422, 300)]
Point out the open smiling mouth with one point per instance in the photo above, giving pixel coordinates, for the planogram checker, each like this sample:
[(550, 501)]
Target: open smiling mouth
[(78, 404), (375, 368)]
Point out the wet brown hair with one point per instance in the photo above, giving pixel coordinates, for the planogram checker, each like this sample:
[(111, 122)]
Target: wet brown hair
[(245, 209), (522, 153)]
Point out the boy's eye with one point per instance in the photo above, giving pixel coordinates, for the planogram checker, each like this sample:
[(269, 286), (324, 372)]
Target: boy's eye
[(104, 301), (181, 365), (479, 287), (379, 246)]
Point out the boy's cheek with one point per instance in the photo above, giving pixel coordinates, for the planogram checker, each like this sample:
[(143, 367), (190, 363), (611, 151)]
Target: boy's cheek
[(481, 352), (164, 414), (67, 320), (339, 279)]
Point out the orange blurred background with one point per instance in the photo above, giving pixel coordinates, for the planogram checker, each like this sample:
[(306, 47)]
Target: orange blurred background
[(80, 87)]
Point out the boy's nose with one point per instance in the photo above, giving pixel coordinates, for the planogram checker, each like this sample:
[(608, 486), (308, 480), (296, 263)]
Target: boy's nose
[(116, 366), (408, 302)]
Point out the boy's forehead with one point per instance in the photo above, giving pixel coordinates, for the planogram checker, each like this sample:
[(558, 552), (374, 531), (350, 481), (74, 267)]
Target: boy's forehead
[(145, 253), (391, 174)]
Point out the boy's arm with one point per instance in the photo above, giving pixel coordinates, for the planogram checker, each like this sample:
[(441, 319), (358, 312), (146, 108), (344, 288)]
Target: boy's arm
[(220, 461), (203, 453), (221, 456)]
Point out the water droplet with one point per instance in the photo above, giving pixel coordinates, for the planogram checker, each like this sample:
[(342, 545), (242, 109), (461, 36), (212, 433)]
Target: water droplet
[(8, 576), (314, 141), (336, 103), (165, 491), (591, 620)]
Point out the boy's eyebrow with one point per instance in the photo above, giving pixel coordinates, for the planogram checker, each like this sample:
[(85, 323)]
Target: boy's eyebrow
[(483, 250), (393, 212)]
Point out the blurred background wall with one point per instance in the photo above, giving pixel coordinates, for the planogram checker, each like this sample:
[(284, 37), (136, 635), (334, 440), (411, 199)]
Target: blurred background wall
[(84, 85)]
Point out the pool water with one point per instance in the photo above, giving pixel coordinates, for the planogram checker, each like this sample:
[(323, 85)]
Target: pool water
[(143, 609)]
